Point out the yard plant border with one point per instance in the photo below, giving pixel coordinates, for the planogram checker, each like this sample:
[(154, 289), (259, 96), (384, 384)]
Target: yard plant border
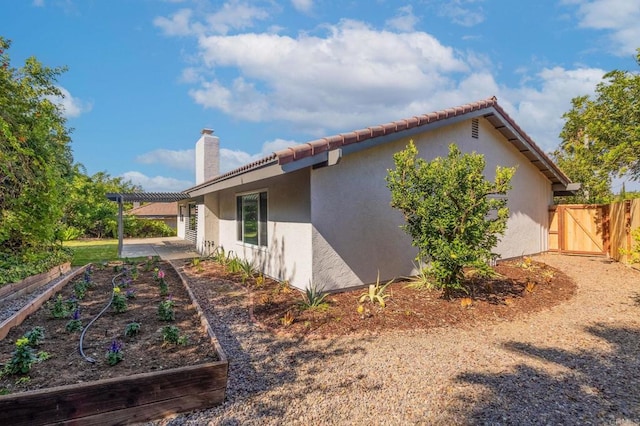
[(122, 400)]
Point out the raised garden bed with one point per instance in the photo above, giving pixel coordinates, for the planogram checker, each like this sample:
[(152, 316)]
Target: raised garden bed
[(31, 283), (155, 378)]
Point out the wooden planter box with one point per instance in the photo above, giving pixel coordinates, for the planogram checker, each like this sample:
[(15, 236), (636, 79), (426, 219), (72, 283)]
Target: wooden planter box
[(35, 304), (9, 291), (123, 400)]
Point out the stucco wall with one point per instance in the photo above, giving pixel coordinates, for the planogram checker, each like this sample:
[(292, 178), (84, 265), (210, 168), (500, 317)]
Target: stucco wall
[(207, 235), (181, 222), (356, 232), (288, 252)]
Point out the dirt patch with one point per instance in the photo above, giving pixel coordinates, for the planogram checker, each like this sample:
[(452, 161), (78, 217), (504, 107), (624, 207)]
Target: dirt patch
[(520, 287), (144, 352)]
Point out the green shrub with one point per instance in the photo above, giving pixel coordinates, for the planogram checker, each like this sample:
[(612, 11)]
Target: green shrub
[(452, 213), (18, 266)]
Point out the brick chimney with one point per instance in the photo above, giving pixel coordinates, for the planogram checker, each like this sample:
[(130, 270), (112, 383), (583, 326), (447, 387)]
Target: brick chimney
[(207, 156)]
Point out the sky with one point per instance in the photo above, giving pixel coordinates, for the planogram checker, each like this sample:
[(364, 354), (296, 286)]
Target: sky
[(146, 76)]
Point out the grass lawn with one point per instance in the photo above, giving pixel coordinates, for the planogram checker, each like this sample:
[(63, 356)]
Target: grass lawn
[(92, 251)]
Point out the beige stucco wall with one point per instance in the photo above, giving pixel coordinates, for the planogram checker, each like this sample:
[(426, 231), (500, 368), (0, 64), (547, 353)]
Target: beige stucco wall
[(288, 253), (356, 232)]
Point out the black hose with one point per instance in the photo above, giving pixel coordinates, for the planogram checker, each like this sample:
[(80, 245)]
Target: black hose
[(113, 282)]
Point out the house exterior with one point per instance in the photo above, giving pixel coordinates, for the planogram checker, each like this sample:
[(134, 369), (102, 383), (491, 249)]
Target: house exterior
[(165, 212), (320, 212)]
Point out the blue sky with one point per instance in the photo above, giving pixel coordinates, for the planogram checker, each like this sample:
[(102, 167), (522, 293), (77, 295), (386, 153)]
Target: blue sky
[(145, 76)]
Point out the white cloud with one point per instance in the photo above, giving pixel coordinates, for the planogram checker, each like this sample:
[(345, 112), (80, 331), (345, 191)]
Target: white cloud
[(462, 12), (180, 160), (71, 107), (38, 3), (232, 15), (352, 72), (190, 75), (353, 75), (304, 6), (177, 25), (235, 15), (229, 158), (538, 107), (619, 17), (405, 20), (156, 183)]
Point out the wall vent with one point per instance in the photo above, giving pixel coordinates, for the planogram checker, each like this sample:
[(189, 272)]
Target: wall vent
[(474, 128)]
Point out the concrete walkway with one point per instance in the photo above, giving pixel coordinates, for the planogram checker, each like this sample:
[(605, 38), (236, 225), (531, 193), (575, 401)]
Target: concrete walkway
[(168, 248)]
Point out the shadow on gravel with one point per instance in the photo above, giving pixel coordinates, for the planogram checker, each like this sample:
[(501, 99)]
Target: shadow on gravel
[(259, 361), (599, 388)]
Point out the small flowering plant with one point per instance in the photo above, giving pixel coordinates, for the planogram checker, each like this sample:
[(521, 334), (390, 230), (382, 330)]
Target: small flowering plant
[(171, 335), (35, 336), (119, 303), (88, 272), (164, 288), (148, 264), (23, 357), (80, 289), (166, 311), (130, 293), (75, 323), (132, 329), (114, 353)]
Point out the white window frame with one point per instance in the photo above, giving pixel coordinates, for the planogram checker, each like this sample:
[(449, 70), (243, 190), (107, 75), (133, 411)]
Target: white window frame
[(262, 226)]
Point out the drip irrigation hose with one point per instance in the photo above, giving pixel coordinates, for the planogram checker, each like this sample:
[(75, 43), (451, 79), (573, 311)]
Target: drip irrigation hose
[(113, 282)]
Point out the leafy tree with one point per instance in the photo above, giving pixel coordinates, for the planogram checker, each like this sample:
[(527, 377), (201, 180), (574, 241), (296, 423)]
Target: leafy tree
[(35, 156), (601, 135), (453, 214), (88, 212)]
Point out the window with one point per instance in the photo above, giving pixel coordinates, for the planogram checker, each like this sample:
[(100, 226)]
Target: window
[(193, 215), (251, 217)]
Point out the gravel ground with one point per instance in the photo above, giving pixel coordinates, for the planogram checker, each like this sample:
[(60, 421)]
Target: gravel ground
[(8, 307), (577, 363)]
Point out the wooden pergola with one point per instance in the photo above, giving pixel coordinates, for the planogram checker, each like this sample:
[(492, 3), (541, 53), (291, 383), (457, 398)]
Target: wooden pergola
[(143, 197)]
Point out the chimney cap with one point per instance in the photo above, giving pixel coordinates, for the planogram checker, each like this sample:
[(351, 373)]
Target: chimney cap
[(206, 131)]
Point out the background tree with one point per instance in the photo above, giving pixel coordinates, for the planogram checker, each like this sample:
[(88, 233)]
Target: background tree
[(601, 136), (35, 156), (453, 214), (88, 212)]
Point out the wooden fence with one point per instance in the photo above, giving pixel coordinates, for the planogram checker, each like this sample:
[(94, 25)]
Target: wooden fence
[(624, 217), (600, 229)]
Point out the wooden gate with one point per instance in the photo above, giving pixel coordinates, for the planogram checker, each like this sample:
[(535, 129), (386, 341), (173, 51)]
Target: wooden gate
[(579, 229)]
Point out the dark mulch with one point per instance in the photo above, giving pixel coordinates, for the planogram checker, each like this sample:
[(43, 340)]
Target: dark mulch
[(520, 287)]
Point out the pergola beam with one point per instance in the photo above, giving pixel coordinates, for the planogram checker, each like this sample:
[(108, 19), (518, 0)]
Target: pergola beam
[(144, 197)]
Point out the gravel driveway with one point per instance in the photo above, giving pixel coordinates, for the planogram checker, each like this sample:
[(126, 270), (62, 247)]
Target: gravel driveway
[(578, 363)]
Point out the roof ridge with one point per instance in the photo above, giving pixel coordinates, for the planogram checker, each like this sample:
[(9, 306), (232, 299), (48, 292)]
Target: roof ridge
[(328, 143)]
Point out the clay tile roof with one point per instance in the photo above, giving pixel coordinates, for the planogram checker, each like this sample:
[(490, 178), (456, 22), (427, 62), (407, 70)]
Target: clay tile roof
[(155, 209), (317, 146), (332, 142)]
